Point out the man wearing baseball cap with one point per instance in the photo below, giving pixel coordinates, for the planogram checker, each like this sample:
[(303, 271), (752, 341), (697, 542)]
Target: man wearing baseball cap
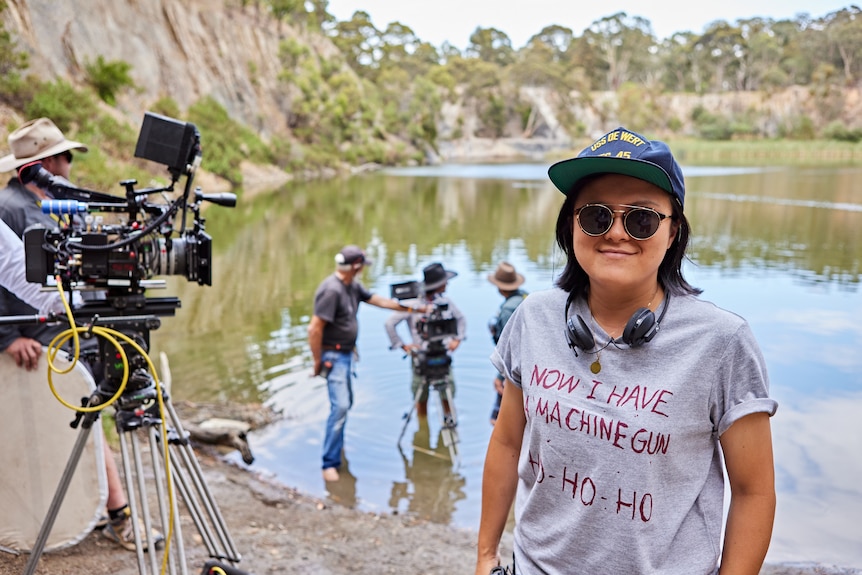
[(332, 334)]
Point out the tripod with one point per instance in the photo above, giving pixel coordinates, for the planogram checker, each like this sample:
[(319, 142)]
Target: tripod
[(435, 373), (141, 410)]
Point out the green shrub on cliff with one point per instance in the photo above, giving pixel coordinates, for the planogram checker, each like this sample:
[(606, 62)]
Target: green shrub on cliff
[(226, 142)]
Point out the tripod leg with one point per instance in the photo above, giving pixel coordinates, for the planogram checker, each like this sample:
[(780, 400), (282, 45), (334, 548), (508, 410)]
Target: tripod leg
[(130, 495), (147, 535), (422, 387), (453, 427), (195, 474), (165, 497), (60, 494), (448, 417)]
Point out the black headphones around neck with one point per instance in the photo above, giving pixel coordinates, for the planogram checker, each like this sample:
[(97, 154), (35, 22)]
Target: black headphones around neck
[(640, 328)]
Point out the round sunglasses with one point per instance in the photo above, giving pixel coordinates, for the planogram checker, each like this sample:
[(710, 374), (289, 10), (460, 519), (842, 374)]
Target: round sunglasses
[(640, 222)]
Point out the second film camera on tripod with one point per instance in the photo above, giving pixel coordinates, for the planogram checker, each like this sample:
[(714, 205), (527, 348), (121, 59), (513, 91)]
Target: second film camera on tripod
[(112, 259), (433, 362)]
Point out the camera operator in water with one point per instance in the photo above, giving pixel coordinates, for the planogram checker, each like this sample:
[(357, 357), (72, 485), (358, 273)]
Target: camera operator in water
[(332, 335), (508, 282), (435, 279), (41, 141)]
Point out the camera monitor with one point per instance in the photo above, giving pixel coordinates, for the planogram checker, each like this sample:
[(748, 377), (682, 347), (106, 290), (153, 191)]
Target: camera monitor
[(167, 141), (406, 290)]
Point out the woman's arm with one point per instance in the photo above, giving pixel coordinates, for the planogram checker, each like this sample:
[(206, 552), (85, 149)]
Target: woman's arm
[(747, 447), (500, 478)]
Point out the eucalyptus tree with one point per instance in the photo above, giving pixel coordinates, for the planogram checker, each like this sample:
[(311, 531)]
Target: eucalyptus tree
[(843, 30), (537, 64), (624, 44), (318, 11), (448, 51), (404, 63), (721, 48), (293, 10), (482, 88), (558, 39), (359, 40), (681, 72), (797, 56), (491, 45), (760, 61), (401, 48)]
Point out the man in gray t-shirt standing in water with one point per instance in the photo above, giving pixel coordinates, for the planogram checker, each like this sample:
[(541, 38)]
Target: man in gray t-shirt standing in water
[(332, 338)]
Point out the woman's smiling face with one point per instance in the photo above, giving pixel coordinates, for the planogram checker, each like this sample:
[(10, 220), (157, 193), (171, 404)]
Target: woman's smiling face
[(616, 260)]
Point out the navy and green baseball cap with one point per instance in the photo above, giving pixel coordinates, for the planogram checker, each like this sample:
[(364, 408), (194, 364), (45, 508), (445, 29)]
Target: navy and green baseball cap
[(624, 152)]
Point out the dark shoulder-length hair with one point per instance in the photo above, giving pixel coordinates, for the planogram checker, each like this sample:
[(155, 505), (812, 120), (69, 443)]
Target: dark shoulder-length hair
[(574, 279)]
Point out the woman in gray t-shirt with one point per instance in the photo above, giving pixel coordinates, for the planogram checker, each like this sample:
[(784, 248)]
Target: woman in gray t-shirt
[(631, 397)]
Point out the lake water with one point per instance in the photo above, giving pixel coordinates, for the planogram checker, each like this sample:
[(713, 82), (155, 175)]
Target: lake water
[(781, 246)]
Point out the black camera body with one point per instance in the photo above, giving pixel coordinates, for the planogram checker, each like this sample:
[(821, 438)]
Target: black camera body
[(434, 362), (434, 327), (142, 240)]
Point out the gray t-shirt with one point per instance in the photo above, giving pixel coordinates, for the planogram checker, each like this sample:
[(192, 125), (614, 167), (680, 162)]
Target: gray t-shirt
[(621, 471), (337, 304)]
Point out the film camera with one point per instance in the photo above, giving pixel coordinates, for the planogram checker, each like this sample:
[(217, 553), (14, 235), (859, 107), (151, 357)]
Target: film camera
[(433, 361), (111, 259), (143, 240)]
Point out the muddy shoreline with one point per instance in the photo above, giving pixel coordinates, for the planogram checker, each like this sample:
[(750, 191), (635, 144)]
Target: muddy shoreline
[(277, 530)]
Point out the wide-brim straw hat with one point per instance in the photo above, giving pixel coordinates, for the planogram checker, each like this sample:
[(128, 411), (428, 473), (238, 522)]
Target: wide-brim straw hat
[(505, 277), (36, 140)]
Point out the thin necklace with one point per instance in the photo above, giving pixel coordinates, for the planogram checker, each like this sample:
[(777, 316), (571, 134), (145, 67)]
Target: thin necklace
[(596, 366)]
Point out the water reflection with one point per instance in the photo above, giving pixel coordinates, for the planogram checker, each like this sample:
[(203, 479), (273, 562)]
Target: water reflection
[(431, 487), (817, 477), (781, 247), (343, 491)]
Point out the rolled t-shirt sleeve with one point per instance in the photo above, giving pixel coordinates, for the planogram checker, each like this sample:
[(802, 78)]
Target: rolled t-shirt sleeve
[(742, 385)]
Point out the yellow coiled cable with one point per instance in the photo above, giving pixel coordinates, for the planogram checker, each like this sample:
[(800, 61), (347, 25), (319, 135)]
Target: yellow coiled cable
[(112, 336)]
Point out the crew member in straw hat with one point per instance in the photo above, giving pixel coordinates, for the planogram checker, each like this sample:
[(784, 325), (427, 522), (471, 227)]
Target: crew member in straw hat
[(507, 281), (36, 141), (41, 141)]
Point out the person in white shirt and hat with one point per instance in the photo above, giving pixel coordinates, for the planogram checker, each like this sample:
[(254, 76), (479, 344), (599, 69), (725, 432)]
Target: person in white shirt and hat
[(435, 279)]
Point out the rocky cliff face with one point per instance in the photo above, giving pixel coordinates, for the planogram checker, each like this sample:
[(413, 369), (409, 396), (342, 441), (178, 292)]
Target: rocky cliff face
[(183, 50)]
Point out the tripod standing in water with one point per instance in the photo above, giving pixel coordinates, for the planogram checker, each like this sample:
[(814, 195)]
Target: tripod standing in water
[(434, 337)]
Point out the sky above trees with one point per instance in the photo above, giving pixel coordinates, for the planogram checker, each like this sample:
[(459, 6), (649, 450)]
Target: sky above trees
[(454, 21)]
